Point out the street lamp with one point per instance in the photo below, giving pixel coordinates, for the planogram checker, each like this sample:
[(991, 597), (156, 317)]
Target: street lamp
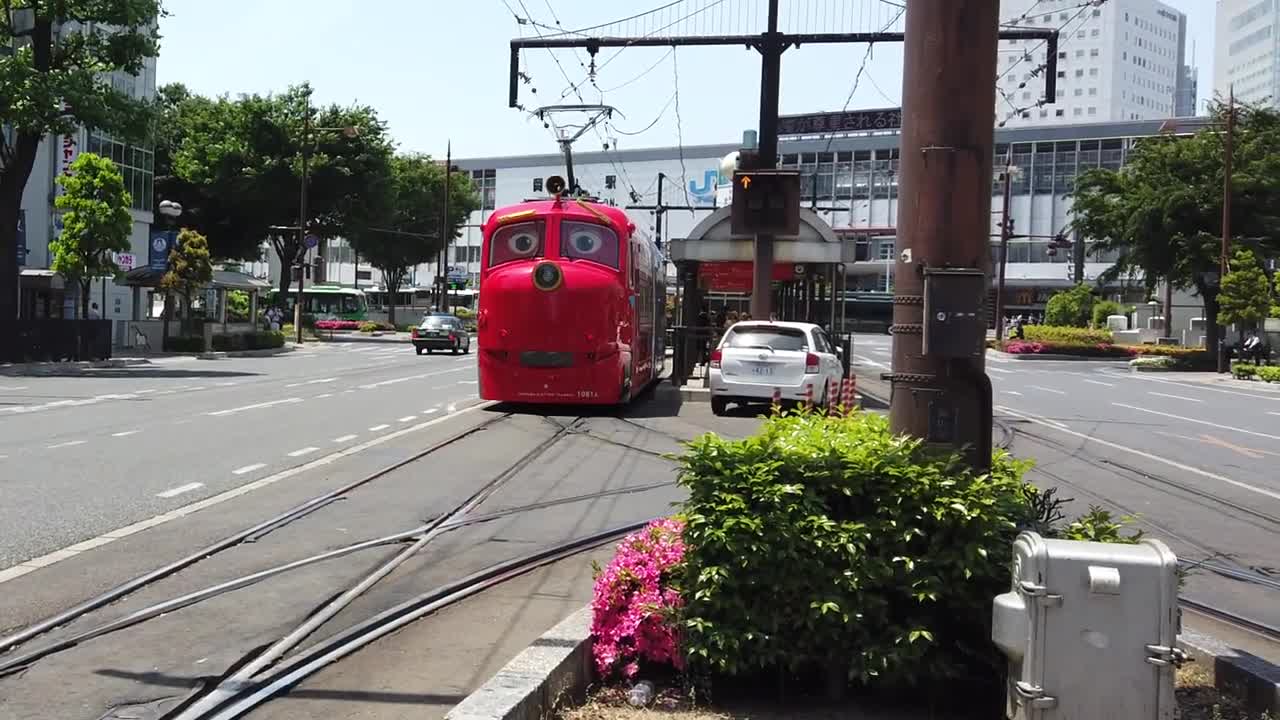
[(1011, 172), (171, 211), (349, 131)]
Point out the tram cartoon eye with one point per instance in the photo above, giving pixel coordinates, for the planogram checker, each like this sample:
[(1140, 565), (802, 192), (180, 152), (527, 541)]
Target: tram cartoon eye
[(588, 241), (516, 242)]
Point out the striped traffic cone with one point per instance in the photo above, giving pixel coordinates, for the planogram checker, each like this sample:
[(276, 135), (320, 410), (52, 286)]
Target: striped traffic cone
[(808, 396)]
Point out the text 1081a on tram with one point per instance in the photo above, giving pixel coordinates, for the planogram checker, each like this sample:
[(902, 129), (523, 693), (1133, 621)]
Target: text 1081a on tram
[(572, 299)]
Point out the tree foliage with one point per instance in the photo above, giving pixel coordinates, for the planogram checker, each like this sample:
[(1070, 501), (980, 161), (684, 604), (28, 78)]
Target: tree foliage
[(1246, 293), (407, 206), (190, 268), (95, 225), (56, 80), (1162, 212), (240, 163), (1070, 308)]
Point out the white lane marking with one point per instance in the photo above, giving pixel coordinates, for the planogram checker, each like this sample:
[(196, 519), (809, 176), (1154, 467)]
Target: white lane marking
[(344, 392), (1175, 397), (1098, 382), (69, 443), (303, 451), (344, 438), (1012, 392), (468, 382), (248, 469), (14, 387), (377, 428), (227, 384), (311, 382), (1000, 370), (323, 396), (1149, 456), (407, 378), (174, 492), (1273, 413), (1199, 422), (145, 392), (440, 387), (1048, 390), (193, 389), (255, 406), (407, 418), (126, 433), (430, 411), (166, 392), (22, 409), (1203, 386), (453, 407), (57, 556)]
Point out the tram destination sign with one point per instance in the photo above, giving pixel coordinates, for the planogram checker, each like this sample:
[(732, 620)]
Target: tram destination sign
[(837, 122)]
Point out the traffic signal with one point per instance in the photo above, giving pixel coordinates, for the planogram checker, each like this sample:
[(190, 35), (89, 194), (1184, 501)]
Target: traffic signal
[(766, 202)]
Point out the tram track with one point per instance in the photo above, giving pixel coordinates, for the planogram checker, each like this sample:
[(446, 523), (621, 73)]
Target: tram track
[(282, 656)]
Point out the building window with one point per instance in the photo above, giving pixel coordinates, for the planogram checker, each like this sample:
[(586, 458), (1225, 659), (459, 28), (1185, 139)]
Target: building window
[(1062, 73), (610, 182), (136, 164), (884, 250), (1093, 110), (1061, 55), (485, 183), (1079, 92), (1077, 111), (1093, 52), (1080, 53), (1097, 12), (1059, 112), (1044, 113), (1093, 72), (1093, 91), (537, 184), (1080, 72)]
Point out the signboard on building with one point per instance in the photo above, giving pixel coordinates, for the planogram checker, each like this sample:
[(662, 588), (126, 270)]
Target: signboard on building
[(736, 277), (840, 122), (126, 261)]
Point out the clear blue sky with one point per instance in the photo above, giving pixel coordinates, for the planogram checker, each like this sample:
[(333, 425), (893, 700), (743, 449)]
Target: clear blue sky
[(437, 74)]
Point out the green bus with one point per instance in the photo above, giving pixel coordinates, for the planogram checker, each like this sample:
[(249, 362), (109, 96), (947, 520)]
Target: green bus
[(326, 302)]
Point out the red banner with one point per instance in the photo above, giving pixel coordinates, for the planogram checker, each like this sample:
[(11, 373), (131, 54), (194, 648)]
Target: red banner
[(736, 276)]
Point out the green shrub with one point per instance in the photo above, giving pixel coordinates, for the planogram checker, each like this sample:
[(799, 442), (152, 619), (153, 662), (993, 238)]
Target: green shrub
[(1066, 335), (194, 344), (228, 342), (1072, 307), (1105, 308), (1242, 371), (264, 340), (826, 541), (1188, 358), (237, 306), (368, 326), (464, 313), (1268, 373), (1098, 525), (1155, 362)]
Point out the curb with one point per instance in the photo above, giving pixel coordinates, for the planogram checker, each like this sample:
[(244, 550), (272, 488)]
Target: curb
[(555, 668), (1056, 358), (267, 352), (96, 364), (1253, 679)]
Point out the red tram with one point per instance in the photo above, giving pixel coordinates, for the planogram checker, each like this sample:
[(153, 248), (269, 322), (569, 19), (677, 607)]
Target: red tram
[(572, 304)]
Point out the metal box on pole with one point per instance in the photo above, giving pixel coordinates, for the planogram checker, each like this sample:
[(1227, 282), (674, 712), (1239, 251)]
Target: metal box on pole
[(1089, 630), (765, 202), (954, 322)]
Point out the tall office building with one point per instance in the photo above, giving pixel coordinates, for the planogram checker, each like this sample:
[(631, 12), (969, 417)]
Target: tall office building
[(1117, 60), (1245, 50)]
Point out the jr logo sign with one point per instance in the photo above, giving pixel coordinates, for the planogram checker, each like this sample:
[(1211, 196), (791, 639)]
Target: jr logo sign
[(706, 194)]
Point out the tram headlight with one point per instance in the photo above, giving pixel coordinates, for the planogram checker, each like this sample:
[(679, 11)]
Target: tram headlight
[(547, 276)]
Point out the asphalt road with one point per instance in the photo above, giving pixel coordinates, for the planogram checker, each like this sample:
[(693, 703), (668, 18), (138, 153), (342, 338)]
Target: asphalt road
[(1192, 455), (87, 452)]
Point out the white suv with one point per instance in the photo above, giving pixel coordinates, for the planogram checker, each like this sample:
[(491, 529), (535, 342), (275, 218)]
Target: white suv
[(755, 358)]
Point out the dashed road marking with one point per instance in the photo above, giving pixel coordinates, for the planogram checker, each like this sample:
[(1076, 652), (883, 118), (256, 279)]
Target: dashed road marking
[(344, 438), (13, 388), (1098, 382), (303, 451), (255, 406), (394, 381), (1048, 390), (1012, 392), (174, 492), (323, 396), (1175, 397), (377, 428), (248, 469), (998, 370), (69, 443), (407, 418), (126, 433)]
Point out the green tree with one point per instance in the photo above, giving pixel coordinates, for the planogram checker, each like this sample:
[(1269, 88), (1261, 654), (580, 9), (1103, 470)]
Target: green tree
[(399, 223), (95, 225), (1070, 308), (190, 269), (243, 160), (1162, 213), (56, 80), (1246, 294), (238, 306), (1106, 308)]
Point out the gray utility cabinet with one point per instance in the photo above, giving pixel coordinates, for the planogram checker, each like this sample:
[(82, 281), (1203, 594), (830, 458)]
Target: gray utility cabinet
[(1089, 630)]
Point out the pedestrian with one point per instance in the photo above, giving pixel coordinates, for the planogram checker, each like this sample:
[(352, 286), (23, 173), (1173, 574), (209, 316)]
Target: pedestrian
[(1253, 348), (1017, 328), (94, 314)]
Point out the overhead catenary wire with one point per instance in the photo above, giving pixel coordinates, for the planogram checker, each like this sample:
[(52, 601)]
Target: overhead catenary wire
[(684, 172), (1043, 65), (857, 77)]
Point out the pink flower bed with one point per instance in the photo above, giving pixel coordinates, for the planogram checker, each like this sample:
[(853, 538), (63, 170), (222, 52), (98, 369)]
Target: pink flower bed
[(635, 605), (337, 325), (1020, 347)]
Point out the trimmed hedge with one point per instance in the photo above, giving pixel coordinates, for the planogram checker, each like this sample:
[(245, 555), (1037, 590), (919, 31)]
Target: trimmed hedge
[(1065, 335), (261, 340), (337, 325), (1099, 350)]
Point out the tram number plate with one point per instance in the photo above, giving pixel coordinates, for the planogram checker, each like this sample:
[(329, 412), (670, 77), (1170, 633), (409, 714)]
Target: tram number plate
[(762, 370)]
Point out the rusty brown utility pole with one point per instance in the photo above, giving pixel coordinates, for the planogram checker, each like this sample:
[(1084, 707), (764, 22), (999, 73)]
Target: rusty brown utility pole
[(948, 119), (1006, 230), (1224, 260)]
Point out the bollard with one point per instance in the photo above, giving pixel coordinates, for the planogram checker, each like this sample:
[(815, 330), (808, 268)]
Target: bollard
[(853, 392)]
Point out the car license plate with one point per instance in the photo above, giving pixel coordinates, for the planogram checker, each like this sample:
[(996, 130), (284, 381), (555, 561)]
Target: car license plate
[(762, 370), (434, 333)]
